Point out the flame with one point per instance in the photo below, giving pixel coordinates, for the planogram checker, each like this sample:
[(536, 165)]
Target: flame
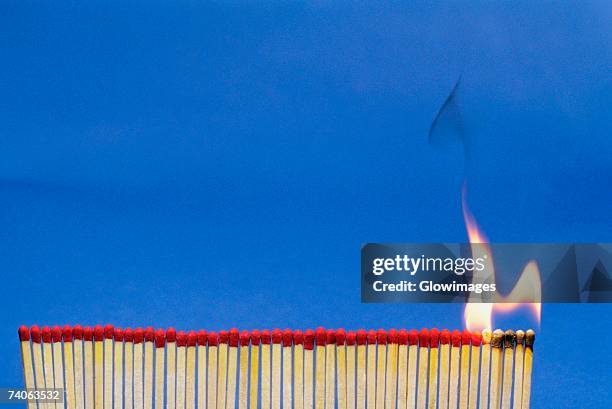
[(527, 290)]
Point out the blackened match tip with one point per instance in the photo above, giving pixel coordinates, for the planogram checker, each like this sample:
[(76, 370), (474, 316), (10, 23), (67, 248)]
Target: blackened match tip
[(520, 337), (498, 337), (509, 339), (529, 338)]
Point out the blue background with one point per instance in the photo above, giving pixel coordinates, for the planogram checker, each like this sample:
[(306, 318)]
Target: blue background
[(220, 165)]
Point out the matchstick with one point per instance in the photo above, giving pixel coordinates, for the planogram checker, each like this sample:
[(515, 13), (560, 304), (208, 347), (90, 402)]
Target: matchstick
[(455, 363), (181, 362), (485, 368), (58, 361), (474, 370), (464, 385), (190, 376), (108, 366), (496, 368), (445, 336), (77, 342), (26, 359), (309, 337), (381, 351), (88, 367), (518, 369), (434, 338), (254, 376), (509, 338), (39, 380), (98, 367), (138, 364), (320, 337), (243, 384), (213, 347), (411, 385), (128, 337), (277, 336), (69, 366), (422, 374), (402, 369), (341, 367), (361, 368), (287, 367), (118, 374), (371, 370), (330, 369), (202, 340), (266, 338), (232, 369), (149, 338), (528, 367), (351, 340), (222, 369), (298, 369), (47, 362), (170, 368), (160, 344), (391, 373)]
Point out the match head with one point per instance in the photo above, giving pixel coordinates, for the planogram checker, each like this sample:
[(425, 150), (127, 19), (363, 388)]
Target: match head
[(245, 337), (149, 334), (309, 339), (181, 339), (128, 335), (46, 334), (529, 338), (402, 337), (118, 335), (476, 339), (298, 337), (98, 333), (56, 334), (138, 335), (330, 337), (466, 337), (351, 338), (67, 333), (520, 337), (35, 334), (486, 336), (340, 336), (392, 336), (24, 333), (413, 337), (277, 336), (456, 338), (424, 337), (434, 338), (202, 337), (381, 337), (509, 339), (170, 335), (87, 333), (287, 337), (445, 337), (192, 338), (213, 339), (234, 337), (255, 337), (498, 337), (108, 331), (266, 337), (362, 337), (77, 332), (223, 337), (320, 336), (160, 338), (371, 337)]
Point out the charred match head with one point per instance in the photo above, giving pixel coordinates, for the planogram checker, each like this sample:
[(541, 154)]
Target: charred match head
[(498, 337), (509, 338), (520, 337), (529, 338)]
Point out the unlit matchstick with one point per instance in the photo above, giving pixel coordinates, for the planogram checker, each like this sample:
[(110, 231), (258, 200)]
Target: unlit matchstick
[(298, 369), (26, 358), (320, 337), (47, 361), (351, 340), (309, 341), (402, 368), (434, 338), (464, 376), (222, 369), (361, 338), (190, 374), (445, 336), (474, 369), (371, 370), (422, 374), (287, 367), (58, 361), (128, 336), (411, 385), (243, 383), (149, 337), (160, 347), (77, 342), (277, 337), (455, 364), (391, 374), (181, 363), (171, 368), (108, 366), (330, 369), (381, 351), (232, 367), (213, 346), (138, 371), (88, 369), (202, 341), (118, 373), (98, 367), (254, 378), (341, 367)]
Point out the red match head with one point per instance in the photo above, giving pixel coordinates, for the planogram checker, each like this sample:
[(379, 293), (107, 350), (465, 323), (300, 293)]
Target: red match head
[(466, 337), (445, 336), (434, 338), (424, 337), (266, 338), (298, 337), (87, 333), (277, 336), (149, 334), (413, 337), (77, 332), (255, 337), (223, 337), (170, 335), (330, 337), (381, 336), (340, 336), (160, 338), (138, 335), (98, 333), (320, 336), (392, 336), (181, 339), (46, 334), (402, 337), (371, 337), (456, 338), (128, 335), (67, 333), (56, 334), (287, 337), (108, 331), (118, 335), (309, 338), (245, 337), (24, 333), (362, 337), (351, 338), (202, 337), (35, 334), (234, 337), (192, 339), (213, 339), (476, 339)]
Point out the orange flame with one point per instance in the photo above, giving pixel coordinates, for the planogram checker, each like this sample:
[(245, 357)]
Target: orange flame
[(528, 288)]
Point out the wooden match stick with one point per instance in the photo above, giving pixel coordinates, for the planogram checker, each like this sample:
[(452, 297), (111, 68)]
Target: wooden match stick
[(411, 384), (422, 374), (391, 372), (243, 384), (485, 368), (254, 378), (202, 341), (518, 369), (330, 369), (509, 339), (108, 366), (149, 346), (98, 367), (341, 367), (266, 339), (402, 369), (128, 337), (58, 361), (528, 367), (47, 362), (190, 375), (160, 346), (371, 371), (26, 359), (464, 377), (309, 338), (455, 364), (88, 367), (381, 351), (320, 337), (170, 368), (77, 342), (496, 368), (287, 367), (69, 366), (445, 337), (361, 368), (277, 337), (138, 364), (213, 347), (434, 338), (351, 340), (39, 380), (474, 369), (181, 363), (118, 374), (232, 369), (298, 369), (222, 370)]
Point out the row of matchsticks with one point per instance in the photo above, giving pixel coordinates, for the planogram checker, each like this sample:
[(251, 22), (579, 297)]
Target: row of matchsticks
[(106, 368)]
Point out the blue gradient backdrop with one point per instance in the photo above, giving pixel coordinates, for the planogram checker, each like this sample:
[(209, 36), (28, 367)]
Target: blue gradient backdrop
[(172, 163)]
